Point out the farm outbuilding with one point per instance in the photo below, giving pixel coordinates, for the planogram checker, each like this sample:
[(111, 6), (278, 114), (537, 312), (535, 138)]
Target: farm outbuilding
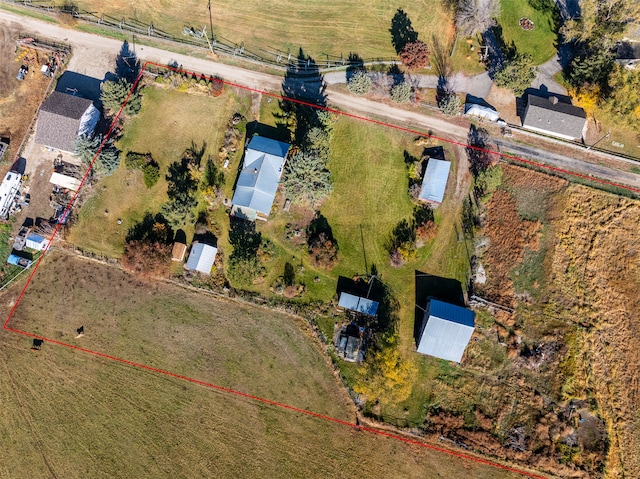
[(36, 242), (435, 180), (349, 341), (358, 304), (64, 181), (628, 54), (201, 258), (257, 184), (8, 191), (446, 330), (481, 111), (63, 118), (178, 251)]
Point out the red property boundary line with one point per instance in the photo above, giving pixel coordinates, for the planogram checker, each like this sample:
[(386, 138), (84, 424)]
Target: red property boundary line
[(246, 395)]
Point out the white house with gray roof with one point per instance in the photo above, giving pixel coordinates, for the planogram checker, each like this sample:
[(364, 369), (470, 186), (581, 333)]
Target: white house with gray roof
[(553, 117), (262, 169), (63, 118)]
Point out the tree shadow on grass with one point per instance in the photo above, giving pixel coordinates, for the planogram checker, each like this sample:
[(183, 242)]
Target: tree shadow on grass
[(127, 64), (244, 238), (402, 31), (355, 65), (303, 87), (151, 228)]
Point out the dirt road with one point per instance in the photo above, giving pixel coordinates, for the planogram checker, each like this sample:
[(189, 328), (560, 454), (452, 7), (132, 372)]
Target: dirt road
[(93, 55)]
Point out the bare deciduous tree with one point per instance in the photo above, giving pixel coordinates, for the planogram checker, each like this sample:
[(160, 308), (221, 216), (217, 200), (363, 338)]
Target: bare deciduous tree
[(477, 16)]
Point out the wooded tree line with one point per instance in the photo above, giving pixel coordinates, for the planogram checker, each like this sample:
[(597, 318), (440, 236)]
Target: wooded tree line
[(594, 77)]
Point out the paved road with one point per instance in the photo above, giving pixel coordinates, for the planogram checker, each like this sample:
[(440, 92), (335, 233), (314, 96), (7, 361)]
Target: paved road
[(94, 56)]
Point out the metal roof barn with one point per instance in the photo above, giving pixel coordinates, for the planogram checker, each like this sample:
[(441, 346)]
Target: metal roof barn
[(201, 258), (8, 191), (358, 304), (434, 182), (446, 330), (258, 181)]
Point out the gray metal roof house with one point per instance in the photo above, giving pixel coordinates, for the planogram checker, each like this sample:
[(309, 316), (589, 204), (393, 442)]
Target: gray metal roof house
[(434, 182), (446, 330), (63, 118), (628, 54), (201, 258), (358, 304), (555, 118), (257, 184)]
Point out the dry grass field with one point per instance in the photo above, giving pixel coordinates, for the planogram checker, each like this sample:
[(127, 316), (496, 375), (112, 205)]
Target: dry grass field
[(320, 28), (596, 277), (572, 273), (69, 414)]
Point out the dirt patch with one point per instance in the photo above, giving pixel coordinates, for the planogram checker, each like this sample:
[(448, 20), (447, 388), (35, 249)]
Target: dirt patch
[(504, 102), (19, 100)]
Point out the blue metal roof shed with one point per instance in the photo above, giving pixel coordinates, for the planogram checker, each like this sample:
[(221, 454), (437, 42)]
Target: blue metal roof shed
[(435, 181), (446, 330), (358, 304)]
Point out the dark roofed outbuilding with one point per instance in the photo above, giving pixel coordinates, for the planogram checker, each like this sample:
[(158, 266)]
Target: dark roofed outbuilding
[(553, 117), (63, 118), (628, 54)]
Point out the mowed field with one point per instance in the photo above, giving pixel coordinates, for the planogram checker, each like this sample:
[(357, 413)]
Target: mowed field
[(70, 414), (320, 28)]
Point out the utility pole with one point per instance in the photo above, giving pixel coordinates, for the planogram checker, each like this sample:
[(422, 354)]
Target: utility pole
[(210, 20), (605, 136)]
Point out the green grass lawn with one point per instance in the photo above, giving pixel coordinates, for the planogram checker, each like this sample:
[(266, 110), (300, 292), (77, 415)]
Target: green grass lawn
[(167, 125), (539, 42), (459, 60), (320, 28)]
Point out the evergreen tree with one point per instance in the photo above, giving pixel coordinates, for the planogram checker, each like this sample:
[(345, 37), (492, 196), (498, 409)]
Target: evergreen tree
[(307, 181), (401, 93), (108, 158), (359, 83), (449, 104), (115, 93), (516, 73)]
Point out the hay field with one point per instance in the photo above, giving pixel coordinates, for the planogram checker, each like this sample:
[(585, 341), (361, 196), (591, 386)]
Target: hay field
[(68, 414), (596, 279), (320, 28)]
